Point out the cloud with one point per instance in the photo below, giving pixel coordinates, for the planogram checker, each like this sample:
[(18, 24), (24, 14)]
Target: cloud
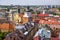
[(30, 2)]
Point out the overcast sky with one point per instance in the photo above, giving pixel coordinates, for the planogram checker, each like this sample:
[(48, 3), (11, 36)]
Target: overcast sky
[(30, 2)]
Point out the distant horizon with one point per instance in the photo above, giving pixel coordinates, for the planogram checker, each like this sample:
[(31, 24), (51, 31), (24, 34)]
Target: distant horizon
[(30, 2), (28, 5)]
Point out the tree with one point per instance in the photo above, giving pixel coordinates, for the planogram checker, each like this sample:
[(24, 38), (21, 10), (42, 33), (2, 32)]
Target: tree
[(59, 9), (3, 34)]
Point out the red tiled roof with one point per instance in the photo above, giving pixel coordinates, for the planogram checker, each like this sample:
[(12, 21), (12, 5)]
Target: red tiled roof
[(49, 22), (43, 14), (55, 38)]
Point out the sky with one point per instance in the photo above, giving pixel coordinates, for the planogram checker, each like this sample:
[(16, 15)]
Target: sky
[(30, 2)]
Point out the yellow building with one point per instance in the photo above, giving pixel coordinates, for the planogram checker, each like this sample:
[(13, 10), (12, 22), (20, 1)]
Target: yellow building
[(17, 18)]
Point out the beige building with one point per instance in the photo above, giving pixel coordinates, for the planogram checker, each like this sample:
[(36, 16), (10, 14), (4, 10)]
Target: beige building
[(17, 18)]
